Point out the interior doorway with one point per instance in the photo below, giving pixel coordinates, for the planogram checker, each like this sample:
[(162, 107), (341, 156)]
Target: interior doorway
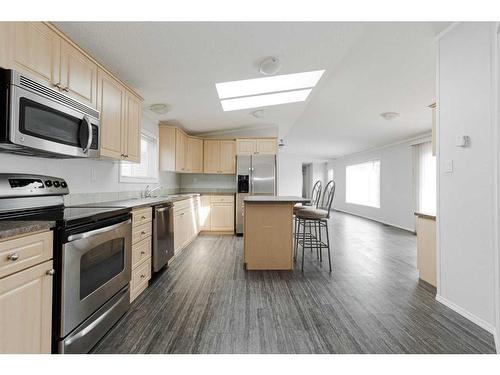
[(306, 180)]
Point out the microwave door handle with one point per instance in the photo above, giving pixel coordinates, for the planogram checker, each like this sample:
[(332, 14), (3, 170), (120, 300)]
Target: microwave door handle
[(89, 140)]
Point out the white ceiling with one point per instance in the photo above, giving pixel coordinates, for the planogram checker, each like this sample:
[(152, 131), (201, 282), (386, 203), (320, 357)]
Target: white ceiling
[(370, 68)]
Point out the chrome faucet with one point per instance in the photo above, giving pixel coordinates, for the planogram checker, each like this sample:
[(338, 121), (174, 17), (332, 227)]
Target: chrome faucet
[(148, 191)]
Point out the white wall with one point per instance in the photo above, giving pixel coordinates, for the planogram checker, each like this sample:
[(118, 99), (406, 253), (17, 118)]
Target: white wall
[(467, 197), (84, 175), (397, 187), (290, 172)]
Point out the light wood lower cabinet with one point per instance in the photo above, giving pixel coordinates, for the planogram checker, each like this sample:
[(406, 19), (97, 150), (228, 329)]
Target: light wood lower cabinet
[(141, 250), (26, 294), (216, 213)]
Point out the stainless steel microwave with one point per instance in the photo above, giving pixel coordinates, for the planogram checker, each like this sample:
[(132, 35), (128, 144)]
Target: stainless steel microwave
[(37, 120)]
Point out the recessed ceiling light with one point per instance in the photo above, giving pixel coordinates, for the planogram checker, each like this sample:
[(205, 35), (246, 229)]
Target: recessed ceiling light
[(265, 100), (270, 66), (259, 113), (160, 108), (265, 85), (389, 116)]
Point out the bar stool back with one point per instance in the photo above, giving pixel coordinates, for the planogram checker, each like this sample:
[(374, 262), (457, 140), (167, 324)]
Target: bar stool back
[(317, 218)]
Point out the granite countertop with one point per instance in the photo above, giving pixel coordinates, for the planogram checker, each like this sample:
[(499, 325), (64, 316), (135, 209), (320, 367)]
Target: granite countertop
[(11, 228), (275, 199), (425, 216), (143, 202)]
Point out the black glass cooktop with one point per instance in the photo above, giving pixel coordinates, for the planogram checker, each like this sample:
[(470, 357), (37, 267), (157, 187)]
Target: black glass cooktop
[(66, 216)]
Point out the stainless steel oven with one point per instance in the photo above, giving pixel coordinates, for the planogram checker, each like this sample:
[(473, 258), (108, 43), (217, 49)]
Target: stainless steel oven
[(96, 271), (38, 120)]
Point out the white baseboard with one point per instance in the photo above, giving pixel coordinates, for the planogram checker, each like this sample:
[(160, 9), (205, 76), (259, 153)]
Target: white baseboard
[(377, 220), (474, 319)]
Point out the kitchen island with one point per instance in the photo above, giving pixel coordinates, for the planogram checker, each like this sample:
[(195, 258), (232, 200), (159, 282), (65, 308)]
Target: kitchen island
[(268, 233)]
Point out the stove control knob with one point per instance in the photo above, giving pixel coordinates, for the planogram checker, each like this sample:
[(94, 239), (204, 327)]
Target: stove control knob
[(64, 184), (56, 184), (48, 183)]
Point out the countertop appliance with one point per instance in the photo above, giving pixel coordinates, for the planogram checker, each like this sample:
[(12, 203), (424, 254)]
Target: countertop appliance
[(163, 235), (38, 120), (92, 257), (255, 175)]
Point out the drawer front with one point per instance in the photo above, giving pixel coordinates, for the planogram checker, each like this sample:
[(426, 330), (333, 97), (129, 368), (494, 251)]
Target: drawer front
[(222, 199), (183, 205), (142, 216), (141, 251), (140, 278), (141, 232), (23, 252)]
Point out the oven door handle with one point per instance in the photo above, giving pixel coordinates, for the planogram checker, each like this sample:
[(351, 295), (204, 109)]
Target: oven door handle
[(80, 236)]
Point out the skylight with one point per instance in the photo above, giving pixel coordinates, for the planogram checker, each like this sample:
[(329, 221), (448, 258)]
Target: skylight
[(267, 91), (284, 82), (265, 100)]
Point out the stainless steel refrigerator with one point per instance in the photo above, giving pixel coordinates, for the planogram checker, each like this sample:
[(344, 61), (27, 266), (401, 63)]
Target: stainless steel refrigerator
[(255, 175)]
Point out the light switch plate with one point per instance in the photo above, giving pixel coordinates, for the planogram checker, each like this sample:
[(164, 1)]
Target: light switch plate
[(448, 166)]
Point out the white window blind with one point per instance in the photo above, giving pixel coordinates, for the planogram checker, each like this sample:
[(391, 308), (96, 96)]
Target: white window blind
[(147, 169), (426, 178), (363, 183)]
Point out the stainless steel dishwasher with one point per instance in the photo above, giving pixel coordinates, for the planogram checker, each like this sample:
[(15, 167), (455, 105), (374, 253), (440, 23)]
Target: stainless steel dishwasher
[(163, 235)]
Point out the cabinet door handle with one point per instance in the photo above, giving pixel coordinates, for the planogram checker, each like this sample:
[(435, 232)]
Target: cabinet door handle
[(143, 217), (142, 232), (65, 89), (13, 257), (143, 276), (143, 252), (58, 86), (50, 272)]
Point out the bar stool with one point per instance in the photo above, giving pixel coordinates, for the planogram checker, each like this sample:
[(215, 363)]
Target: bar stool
[(317, 218), (315, 198)]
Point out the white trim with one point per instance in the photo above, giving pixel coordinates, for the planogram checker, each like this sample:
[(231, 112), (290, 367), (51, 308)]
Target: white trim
[(466, 314), (144, 180), (496, 123), (437, 138), (377, 220), (447, 30), (416, 138)]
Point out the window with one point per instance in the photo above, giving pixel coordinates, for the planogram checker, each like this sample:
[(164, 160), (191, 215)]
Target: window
[(330, 174), (147, 169), (426, 179), (363, 183)]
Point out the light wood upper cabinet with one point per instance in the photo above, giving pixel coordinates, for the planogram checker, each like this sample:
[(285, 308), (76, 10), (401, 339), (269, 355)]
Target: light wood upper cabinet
[(78, 75), (26, 311), (180, 150), (35, 49), (219, 156), (246, 146), (267, 146), (167, 148), (4, 44), (227, 157), (111, 102), (211, 156), (258, 146), (132, 129), (194, 162)]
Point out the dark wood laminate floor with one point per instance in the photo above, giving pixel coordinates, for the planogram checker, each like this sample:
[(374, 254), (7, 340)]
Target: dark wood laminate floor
[(371, 303)]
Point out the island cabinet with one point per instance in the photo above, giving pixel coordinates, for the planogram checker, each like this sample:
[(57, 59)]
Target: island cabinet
[(26, 293), (219, 156), (256, 146)]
